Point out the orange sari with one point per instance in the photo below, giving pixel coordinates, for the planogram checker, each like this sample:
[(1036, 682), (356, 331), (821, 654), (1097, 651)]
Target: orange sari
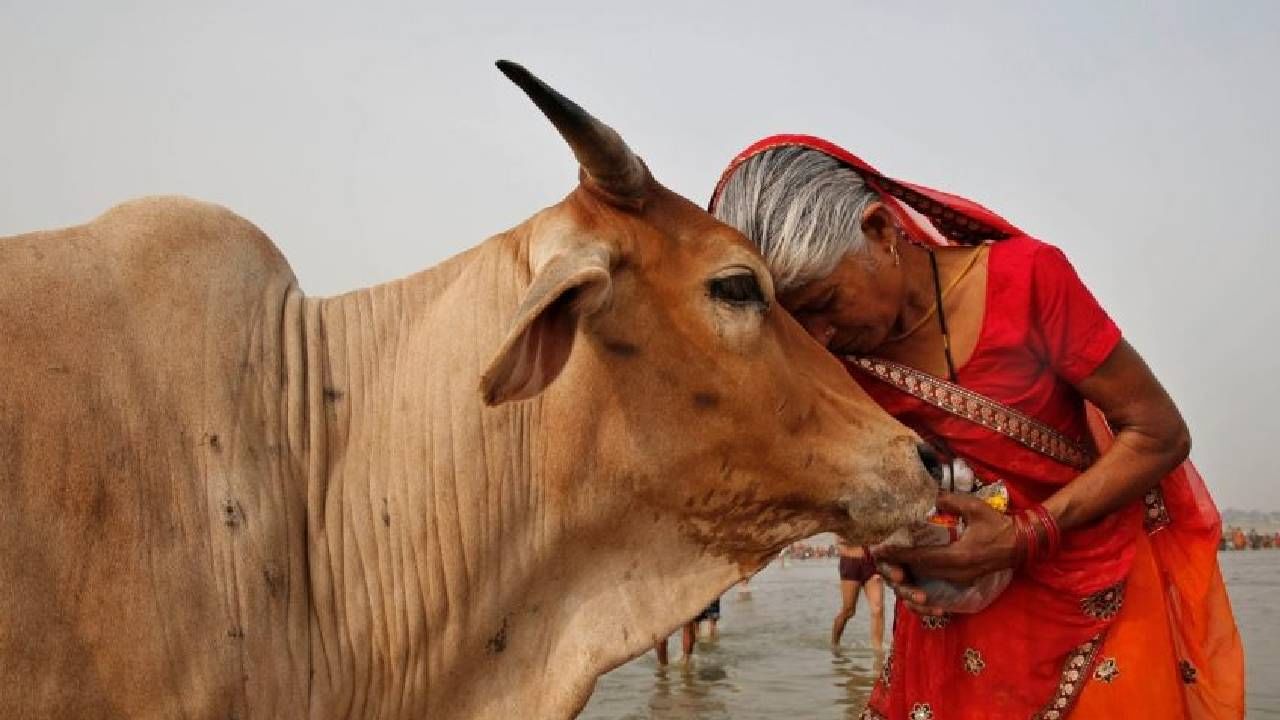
[(1176, 606)]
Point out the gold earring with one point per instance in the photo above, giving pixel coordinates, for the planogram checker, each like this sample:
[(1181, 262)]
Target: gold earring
[(893, 250)]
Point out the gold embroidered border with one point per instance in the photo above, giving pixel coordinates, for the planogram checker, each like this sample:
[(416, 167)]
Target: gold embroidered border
[(870, 714), (979, 409), (1075, 670)]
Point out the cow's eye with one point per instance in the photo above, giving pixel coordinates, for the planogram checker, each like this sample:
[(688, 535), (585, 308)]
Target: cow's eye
[(740, 288)]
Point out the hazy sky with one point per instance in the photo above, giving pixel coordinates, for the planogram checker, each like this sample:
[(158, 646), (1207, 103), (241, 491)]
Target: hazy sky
[(372, 141)]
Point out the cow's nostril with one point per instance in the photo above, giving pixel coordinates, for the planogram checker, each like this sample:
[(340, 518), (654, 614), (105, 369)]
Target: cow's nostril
[(932, 463)]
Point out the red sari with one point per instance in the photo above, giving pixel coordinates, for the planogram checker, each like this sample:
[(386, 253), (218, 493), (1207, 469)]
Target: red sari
[(1120, 622), (1033, 648)]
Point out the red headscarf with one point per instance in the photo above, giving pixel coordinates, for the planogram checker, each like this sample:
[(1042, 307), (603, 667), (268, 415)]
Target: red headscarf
[(927, 215)]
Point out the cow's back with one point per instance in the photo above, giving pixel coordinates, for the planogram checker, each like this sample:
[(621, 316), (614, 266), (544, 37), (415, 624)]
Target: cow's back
[(151, 534)]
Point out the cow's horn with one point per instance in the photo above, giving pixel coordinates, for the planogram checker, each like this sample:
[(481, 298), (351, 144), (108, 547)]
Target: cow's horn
[(601, 152)]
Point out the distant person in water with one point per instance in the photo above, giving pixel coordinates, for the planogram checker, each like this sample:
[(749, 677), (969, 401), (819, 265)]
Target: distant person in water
[(711, 615), (689, 633), (857, 572)]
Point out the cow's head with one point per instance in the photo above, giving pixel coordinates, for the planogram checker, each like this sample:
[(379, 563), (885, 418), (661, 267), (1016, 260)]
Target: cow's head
[(670, 376)]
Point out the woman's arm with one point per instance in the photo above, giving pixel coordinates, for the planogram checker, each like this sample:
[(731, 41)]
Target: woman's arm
[(1151, 439)]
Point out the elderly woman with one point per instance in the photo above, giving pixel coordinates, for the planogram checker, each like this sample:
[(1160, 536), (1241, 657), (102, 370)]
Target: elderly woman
[(985, 341)]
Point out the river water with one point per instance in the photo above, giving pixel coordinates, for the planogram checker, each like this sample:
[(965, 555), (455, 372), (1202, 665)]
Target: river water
[(773, 660)]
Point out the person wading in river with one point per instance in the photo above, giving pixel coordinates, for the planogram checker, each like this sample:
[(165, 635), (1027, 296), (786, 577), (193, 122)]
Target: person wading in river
[(857, 574)]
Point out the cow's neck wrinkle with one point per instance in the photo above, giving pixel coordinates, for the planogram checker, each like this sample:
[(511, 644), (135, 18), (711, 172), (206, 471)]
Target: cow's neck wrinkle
[(439, 570), (422, 525)]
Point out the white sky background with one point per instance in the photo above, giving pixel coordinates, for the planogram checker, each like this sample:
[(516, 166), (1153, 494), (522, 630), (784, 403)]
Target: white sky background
[(372, 141)]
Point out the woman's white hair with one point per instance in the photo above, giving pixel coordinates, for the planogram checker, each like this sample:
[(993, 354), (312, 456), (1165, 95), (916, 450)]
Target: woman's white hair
[(801, 207)]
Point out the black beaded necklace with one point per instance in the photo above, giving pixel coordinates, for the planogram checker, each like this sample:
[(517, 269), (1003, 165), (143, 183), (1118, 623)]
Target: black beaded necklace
[(942, 316)]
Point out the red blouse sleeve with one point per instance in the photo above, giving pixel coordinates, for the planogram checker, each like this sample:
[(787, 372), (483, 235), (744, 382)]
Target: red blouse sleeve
[(1078, 334)]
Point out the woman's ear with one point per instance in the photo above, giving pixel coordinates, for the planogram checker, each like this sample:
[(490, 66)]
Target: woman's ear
[(879, 227), (881, 231)]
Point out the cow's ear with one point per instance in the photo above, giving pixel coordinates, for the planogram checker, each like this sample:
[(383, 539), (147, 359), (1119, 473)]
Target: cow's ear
[(568, 286)]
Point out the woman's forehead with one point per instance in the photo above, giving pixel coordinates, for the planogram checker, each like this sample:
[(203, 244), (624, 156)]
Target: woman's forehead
[(806, 293), (850, 271)]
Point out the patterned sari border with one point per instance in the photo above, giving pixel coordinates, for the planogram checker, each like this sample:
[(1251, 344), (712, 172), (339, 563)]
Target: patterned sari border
[(1075, 671), (978, 409)]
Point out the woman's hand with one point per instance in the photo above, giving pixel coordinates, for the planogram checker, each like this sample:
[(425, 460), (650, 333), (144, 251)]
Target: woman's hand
[(987, 545), (915, 599)]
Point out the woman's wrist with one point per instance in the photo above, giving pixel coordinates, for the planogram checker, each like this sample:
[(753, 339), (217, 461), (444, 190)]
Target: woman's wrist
[(1011, 543), (1037, 536), (1059, 507)]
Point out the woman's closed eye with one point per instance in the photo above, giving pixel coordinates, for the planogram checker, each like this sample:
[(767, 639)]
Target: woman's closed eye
[(817, 305)]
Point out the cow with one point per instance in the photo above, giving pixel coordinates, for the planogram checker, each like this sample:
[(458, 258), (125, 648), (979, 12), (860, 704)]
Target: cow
[(466, 493)]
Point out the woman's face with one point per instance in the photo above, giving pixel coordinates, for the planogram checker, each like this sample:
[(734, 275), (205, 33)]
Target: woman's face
[(852, 310)]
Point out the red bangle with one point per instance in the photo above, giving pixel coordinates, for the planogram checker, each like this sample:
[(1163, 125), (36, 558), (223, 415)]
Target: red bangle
[(1024, 541), (1033, 537), (1052, 533), (1019, 548)]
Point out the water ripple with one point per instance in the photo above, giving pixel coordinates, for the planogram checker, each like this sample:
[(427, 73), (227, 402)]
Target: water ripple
[(772, 658)]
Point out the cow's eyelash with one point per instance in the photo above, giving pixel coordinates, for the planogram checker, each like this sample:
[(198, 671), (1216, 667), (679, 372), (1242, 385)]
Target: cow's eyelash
[(740, 288)]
